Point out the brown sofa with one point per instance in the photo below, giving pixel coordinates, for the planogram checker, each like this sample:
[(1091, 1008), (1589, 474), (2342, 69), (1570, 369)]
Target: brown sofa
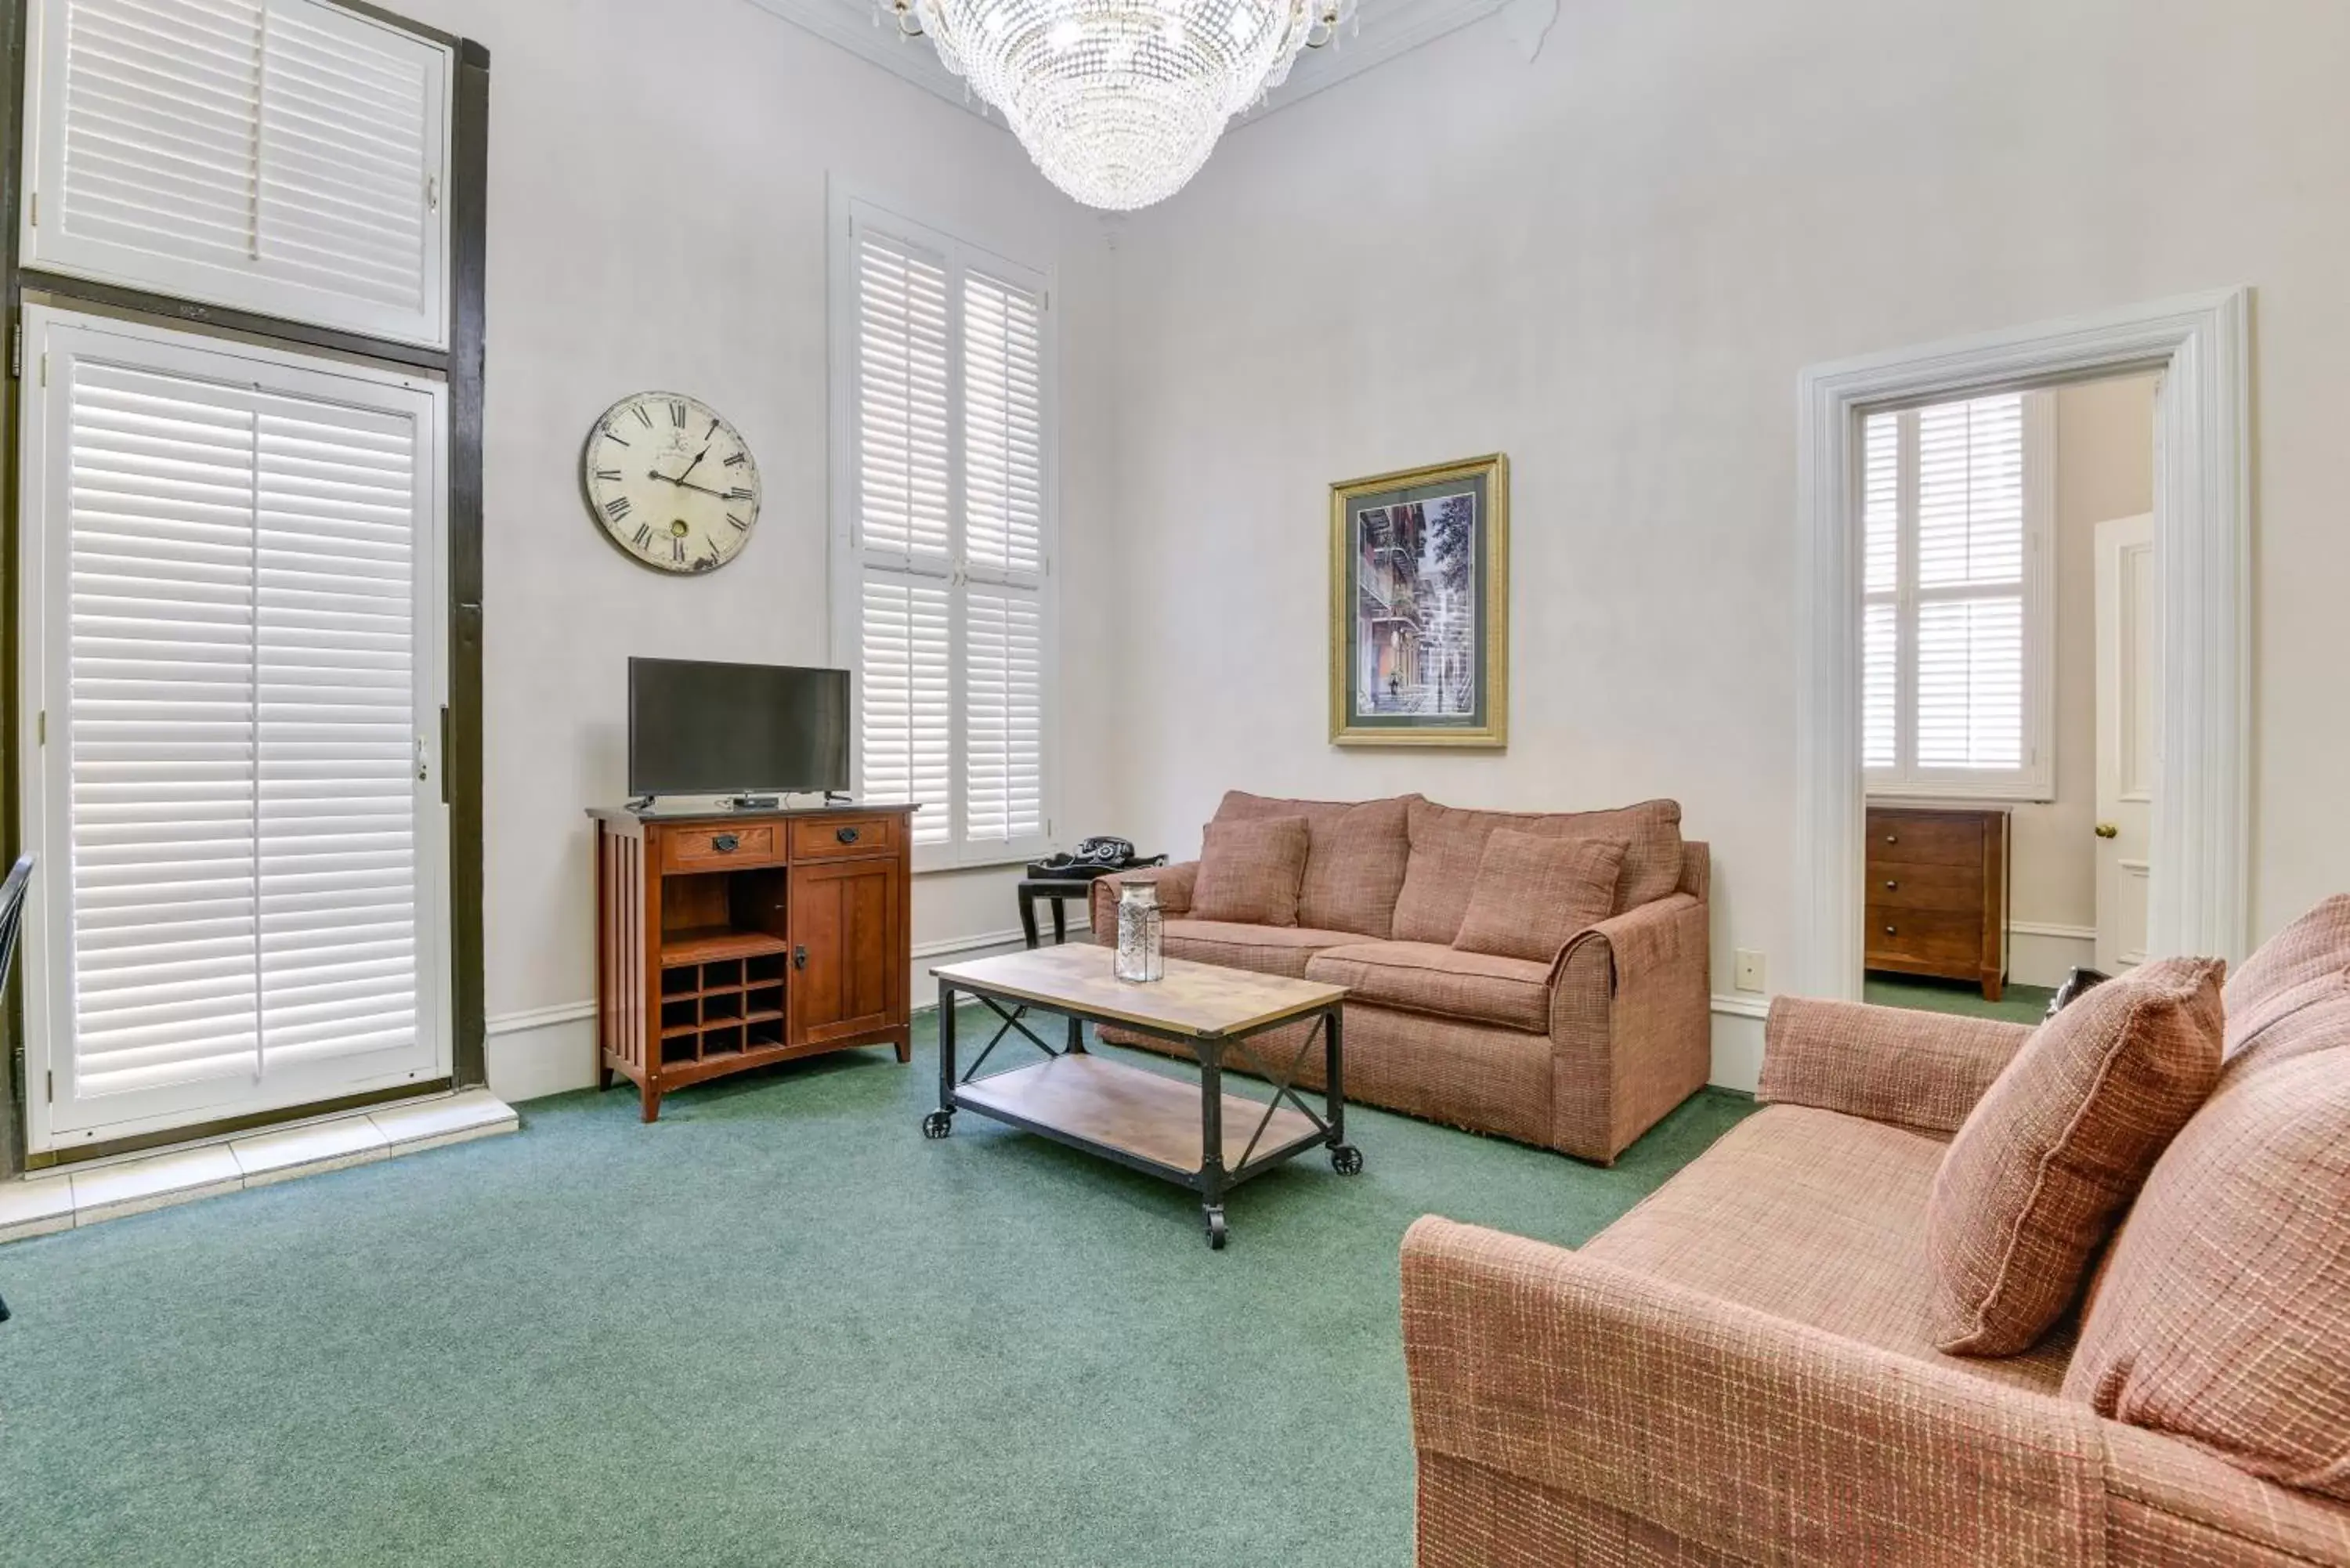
[(1740, 1369), (1582, 1054)]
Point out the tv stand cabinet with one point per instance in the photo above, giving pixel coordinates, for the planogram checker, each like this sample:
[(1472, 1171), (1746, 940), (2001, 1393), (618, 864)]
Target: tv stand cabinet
[(728, 940)]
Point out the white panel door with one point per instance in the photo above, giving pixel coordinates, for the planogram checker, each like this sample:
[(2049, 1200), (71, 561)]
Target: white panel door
[(2129, 710), (233, 661)]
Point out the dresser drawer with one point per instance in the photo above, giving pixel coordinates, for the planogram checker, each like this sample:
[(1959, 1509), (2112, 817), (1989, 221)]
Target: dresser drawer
[(1925, 936), (714, 847), (843, 837), (1923, 838), (1901, 885)]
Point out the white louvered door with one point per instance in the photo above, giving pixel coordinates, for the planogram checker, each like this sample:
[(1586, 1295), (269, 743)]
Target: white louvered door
[(286, 157), (945, 601), (1956, 627), (234, 669)]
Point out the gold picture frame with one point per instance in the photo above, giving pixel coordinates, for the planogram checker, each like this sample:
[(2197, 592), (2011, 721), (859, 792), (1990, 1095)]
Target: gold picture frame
[(1412, 553)]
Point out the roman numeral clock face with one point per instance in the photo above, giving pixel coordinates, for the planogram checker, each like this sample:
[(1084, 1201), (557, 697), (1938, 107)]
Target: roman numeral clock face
[(671, 481)]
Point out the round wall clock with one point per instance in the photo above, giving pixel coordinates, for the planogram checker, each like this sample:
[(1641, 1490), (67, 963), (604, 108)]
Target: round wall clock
[(671, 481)]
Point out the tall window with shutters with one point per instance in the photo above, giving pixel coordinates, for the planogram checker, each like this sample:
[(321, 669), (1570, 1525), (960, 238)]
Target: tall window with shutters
[(943, 536), (233, 671), (286, 157), (1956, 638)]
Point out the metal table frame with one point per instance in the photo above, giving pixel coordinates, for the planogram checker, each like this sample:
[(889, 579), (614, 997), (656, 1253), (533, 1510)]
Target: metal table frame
[(1212, 1180)]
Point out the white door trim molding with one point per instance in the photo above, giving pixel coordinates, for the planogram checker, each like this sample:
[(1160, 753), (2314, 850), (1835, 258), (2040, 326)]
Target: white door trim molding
[(2200, 895)]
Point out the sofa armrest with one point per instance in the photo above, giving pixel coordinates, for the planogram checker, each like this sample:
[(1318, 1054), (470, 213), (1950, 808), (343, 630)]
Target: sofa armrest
[(1174, 895), (1741, 1434), (1631, 1031), (1914, 1069)]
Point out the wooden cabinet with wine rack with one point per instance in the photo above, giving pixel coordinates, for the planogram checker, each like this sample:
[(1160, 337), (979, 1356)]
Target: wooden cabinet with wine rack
[(726, 940)]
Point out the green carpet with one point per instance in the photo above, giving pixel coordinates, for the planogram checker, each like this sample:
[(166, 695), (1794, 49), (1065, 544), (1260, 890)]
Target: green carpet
[(778, 1327), (2017, 1003)]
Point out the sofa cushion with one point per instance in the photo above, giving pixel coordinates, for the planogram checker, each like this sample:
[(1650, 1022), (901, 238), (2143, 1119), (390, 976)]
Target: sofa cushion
[(1816, 1217), (2219, 1318), (1427, 977), (2281, 1002), (2315, 945), (1268, 950), (1449, 843), (1532, 894), (2059, 1145), (1249, 871), (1354, 859)]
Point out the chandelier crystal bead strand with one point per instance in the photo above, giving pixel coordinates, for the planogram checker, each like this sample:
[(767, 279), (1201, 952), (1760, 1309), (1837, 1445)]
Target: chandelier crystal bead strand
[(1120, 101)]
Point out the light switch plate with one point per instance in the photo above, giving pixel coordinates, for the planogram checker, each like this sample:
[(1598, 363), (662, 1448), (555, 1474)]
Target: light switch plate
[(1750, 970)]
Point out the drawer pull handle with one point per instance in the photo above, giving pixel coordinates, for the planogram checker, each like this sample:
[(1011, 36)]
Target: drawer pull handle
[(726, 842), (1888, 931), (799, 958), (845, 835), (1890, 884), (1892, 838)]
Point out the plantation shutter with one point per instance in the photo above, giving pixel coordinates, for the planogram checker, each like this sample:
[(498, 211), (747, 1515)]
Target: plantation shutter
[(1950, 605), (948, 542), (238, 673), (280, 156)]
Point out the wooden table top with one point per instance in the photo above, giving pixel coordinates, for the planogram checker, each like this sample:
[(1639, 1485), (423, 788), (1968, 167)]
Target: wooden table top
[(1196, 999)]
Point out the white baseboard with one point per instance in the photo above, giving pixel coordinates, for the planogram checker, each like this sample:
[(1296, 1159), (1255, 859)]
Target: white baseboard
[(2039, 953)]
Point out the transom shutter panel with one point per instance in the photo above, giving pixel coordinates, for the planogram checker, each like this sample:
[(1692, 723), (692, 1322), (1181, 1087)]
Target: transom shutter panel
[(1004, 715), (907, 741), (902, 462), (1003, 428), (282, 156), (241, 722)]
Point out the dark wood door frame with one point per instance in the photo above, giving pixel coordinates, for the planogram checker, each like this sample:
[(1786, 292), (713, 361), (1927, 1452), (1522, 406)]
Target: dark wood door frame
[(461, 365)]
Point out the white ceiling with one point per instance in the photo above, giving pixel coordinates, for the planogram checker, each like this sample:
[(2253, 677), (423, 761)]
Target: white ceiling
[(1388, 28)]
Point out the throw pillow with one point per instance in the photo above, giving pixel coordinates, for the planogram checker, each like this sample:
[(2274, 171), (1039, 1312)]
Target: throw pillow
[(1249, 871), (1448, 844), (1355, 853), (1533, 894), (2219, 1316), (2057, 1147)]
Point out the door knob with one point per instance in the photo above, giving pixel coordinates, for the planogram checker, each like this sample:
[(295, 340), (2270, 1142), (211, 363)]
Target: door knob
[(799, 958), (2109, 830)]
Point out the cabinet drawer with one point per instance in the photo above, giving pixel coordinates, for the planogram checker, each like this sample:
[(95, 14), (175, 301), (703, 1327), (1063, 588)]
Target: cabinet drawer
[(843, 837), (1933, 936), (717, 846), (1903, 886), (1919, 838)]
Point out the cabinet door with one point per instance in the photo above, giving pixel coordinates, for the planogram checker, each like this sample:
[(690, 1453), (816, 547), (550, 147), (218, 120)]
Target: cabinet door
[(846, 949)]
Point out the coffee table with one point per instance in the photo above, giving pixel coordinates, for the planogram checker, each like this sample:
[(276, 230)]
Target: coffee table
[(1196, 1136)]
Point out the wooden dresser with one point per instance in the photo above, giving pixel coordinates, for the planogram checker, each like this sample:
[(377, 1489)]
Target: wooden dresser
[(1937, 893), (726, 940)]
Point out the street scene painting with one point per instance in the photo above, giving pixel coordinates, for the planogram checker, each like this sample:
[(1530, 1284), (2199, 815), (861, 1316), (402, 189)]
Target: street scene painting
[(1418, 641), (1416, 607)]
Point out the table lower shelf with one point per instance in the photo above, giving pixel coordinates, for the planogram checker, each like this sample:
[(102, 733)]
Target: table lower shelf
[(1148, 1117)]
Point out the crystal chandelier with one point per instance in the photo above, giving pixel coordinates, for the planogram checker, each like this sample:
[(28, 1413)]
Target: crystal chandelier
[(1119, 101)]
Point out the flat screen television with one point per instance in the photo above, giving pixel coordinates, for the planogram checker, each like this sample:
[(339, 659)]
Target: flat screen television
[(697, 727)]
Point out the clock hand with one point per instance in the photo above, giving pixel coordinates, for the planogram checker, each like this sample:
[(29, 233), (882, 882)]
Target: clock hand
[(683, 484), (689, 467)]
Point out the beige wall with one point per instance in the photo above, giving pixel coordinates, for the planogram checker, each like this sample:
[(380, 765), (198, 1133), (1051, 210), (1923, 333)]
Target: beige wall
[(2104, 469), (1612, 264), (657, 218)]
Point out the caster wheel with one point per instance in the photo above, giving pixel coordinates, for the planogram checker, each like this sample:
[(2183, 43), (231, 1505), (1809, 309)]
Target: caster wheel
[(1216, 1231), (938, 1124), (1345, 1159)]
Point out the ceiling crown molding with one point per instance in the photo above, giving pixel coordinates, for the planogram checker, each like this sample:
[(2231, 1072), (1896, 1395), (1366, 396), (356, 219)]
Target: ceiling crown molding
[(1388, 28)]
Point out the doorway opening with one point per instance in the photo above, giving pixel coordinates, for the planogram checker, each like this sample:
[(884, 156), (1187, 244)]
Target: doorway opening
[(2008, 667), (2180, 585)]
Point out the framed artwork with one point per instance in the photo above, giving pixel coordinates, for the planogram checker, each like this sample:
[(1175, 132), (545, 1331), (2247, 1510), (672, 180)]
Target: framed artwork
[(1420, 607)]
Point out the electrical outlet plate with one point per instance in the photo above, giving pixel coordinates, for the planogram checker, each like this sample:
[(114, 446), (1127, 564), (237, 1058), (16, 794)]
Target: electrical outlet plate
[(1750, 970)]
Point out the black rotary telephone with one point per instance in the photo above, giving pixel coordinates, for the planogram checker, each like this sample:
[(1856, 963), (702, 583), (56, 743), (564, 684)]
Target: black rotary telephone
[(1094, 858)]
